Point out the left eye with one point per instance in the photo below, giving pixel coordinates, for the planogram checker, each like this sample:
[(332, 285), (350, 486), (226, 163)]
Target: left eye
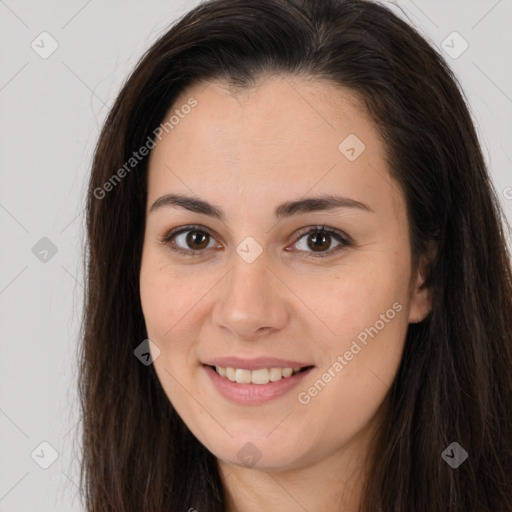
[(320, 238), (195, 240)]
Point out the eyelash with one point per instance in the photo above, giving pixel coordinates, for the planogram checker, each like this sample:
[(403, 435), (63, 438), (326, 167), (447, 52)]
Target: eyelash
[(344, 240)]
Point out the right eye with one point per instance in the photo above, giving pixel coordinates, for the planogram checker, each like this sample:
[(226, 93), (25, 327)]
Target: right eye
[(188, 240)]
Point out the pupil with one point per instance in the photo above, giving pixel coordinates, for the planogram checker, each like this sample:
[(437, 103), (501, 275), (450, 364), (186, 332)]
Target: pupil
[(318, 237), (194, 236)]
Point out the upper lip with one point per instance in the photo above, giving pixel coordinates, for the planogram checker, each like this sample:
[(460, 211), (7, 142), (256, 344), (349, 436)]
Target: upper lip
[(255, 364)]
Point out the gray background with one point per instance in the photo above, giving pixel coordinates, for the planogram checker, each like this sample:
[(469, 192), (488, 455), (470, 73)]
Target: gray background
[(51, 113)]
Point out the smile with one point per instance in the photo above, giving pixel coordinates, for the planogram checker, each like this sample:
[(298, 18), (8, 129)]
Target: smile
[(253, 387), (259, 376)]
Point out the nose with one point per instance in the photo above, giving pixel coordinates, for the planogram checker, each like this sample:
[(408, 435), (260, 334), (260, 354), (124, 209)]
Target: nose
[(252, 301)]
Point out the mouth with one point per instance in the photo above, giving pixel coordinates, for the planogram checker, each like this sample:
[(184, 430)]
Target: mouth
[(258, 376)]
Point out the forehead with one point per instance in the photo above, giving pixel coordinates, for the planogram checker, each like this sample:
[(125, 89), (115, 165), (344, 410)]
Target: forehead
[(291, 110), (286, 134)]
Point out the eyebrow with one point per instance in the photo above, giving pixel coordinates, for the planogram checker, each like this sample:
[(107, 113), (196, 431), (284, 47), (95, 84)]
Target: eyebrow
[(323, 202)]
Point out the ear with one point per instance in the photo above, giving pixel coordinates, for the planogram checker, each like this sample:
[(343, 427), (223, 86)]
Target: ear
[(421, 293)]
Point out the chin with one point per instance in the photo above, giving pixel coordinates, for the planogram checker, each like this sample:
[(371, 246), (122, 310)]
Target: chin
[(260, 454)]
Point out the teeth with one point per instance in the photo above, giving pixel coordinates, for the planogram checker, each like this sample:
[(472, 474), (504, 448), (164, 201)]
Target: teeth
[(260, 376), (276, 374), (243, 376)]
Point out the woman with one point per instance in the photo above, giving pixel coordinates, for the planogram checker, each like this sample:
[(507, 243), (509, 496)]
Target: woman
[(299, 294)]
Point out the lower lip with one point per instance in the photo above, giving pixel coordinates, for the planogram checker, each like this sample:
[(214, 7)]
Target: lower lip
[(254, 394)]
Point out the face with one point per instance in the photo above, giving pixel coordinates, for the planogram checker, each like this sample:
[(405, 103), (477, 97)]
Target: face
[(292, 251)]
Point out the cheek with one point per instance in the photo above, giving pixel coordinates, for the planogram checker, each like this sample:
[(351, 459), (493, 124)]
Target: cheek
[(356, 296), (163, 299), (167, 302), (368, 313), (172, 303), (366, 310), (156, 303), (165, 295)]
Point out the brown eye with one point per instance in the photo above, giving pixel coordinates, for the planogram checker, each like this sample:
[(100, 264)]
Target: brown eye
[(192, 240), (196, 239), (189, 240), (319, 240)]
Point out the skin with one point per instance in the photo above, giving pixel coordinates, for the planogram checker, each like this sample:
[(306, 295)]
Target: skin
[(247, 152)]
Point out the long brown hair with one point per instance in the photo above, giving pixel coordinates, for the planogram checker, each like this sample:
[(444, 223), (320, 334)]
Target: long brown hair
[(455, 379)]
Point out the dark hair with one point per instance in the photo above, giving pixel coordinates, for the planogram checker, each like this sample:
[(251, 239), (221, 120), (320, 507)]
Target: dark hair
[(455, 378)]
